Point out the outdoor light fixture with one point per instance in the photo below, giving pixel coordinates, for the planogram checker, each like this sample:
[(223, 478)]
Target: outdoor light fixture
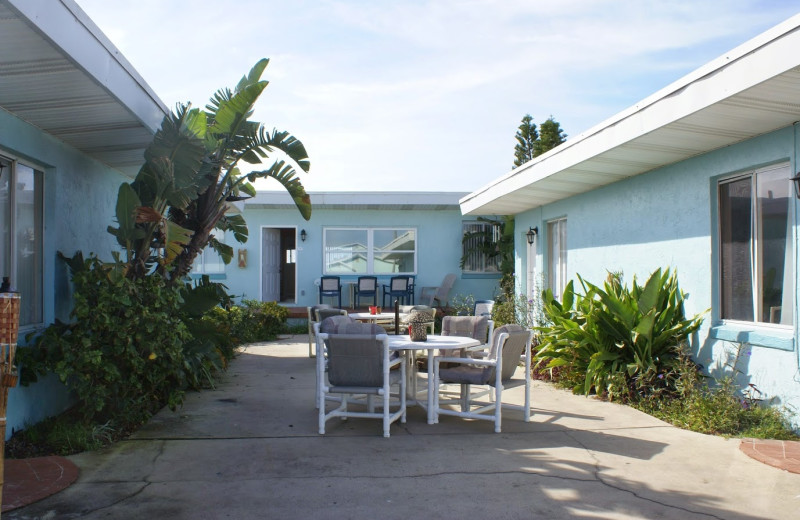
[(303, 235), (532, 232), (796, 181)]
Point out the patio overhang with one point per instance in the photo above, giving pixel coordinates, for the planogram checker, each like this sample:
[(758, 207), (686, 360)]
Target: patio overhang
[(60, 73), (752, 90)]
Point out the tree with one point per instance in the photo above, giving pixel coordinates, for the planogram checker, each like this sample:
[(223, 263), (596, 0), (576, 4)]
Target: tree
[(531, 143), (550, 136), (527, 136), (191, 173)]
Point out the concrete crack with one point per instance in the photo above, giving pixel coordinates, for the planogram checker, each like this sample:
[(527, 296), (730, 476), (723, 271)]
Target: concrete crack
[(599, 477)]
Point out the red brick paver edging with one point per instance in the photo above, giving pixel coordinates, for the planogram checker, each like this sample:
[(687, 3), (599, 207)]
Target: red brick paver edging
[(29, 480), (780, 454)]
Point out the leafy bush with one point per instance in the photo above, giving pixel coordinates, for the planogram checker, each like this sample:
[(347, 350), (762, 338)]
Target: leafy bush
[(251, 322), (123, 354), (610, 337)]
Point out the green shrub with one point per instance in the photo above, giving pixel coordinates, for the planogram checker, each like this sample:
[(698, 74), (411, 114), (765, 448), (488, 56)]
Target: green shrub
[(123, 354), (251, 322), (610, 337)]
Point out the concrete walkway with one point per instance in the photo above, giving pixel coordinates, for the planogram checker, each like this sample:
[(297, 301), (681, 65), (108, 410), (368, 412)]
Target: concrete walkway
[(250, 450)]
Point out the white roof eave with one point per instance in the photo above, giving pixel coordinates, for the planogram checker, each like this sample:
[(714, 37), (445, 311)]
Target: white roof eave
[(94, 99), (693, 104)]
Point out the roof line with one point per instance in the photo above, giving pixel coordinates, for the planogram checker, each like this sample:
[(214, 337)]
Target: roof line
[(674, 89)]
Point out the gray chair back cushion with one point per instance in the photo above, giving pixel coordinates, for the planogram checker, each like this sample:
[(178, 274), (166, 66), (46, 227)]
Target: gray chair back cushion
[(332, 324), (355, 360), (323, 314), (347, 325), (475, 327), (314, 308), (512, 350)]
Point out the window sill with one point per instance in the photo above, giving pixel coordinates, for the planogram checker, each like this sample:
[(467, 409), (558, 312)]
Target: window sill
[(467, 276), (781, 339), (211, 276)]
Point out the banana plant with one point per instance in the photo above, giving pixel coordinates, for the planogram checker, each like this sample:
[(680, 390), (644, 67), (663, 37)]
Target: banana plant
[(166, 216)]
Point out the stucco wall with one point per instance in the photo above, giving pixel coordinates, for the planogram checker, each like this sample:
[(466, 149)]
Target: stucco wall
[(79, 199), (438, 244), (667, 218)]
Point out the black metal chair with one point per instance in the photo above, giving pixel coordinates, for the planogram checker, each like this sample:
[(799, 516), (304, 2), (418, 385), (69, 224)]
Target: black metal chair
[(330, 286), (397, 288), (366, 286)]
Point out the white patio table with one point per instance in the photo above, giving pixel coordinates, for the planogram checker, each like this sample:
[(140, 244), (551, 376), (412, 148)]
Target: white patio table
[(403, 342), (373, 318)]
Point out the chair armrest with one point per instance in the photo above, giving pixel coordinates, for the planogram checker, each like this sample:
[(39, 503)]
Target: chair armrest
[(465, 361)]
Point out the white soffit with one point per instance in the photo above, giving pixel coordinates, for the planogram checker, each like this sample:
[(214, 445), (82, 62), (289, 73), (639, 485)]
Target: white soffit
[(752, 90), (60, 73), (360, 200)]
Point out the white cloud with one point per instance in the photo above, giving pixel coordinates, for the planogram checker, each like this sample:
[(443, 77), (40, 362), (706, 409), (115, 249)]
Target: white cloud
[(425, 94)]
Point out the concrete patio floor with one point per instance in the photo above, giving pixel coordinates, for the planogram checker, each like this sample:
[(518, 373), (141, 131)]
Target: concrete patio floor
[(250, 449)]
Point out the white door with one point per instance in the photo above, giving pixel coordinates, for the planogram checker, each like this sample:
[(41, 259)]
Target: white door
[(270, 265)]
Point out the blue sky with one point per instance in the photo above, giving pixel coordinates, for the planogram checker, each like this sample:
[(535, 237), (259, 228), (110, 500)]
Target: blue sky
[(425, 95)]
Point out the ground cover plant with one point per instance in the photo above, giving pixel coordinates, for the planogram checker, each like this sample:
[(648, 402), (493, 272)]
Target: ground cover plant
[(630, 345)]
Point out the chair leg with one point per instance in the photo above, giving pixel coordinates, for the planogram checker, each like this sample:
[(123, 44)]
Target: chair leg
[(498, 408)]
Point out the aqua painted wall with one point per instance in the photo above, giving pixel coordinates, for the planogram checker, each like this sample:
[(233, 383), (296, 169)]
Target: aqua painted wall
[(79, 198), (667, 218), (438, 244)]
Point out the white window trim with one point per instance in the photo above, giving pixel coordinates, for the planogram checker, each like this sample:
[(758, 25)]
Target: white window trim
[(561, 270), (199, 264), (751, 174), (370, 248), (496, 271), (13, 263)]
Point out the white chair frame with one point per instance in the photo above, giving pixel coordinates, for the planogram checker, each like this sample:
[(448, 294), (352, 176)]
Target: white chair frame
[(388, 417), (496, 405)]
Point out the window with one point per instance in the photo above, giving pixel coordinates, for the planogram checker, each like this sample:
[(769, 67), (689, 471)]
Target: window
[(557, 256), (209, 261), (370, 251), (755, 252), (479, 253), (21, 215)]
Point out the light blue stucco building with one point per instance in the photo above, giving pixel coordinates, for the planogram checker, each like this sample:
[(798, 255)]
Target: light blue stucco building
[(698, 178), (351, 234), (75, 118)]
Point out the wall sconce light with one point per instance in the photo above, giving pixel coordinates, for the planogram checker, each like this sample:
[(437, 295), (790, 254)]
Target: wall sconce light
[(303, 235), (242, 258), (796, 181), (531, 234)]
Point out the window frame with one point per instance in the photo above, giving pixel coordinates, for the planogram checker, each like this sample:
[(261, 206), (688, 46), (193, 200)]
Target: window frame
[(557, 258), (13, 245), (370, 249), (199, 264), (486, 269), (756, 258)]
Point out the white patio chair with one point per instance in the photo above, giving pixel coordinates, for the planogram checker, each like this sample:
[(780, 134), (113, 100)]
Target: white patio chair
[(361, 364), (312, 319), (509, 344), (431, 295)]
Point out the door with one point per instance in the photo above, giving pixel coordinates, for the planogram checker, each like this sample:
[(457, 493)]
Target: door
[(270, 264)]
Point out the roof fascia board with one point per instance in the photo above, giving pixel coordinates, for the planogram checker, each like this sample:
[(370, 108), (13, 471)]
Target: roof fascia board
[(765, 56), (341, 198), (69, 29)]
